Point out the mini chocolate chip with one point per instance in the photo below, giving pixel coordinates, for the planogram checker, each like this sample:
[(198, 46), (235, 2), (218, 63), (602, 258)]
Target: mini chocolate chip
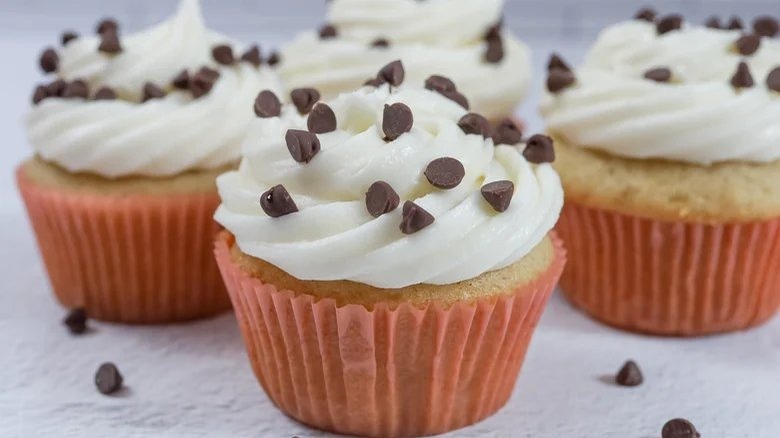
[(373, 82), (223, 54), (182, 80), (322, 119), (277, 202), (669, 23), (107, 25), (539, 149), (104, 93), (380, 43), (304, 99), (39, 94), (267, 104), (439, 83), (645, 14), (557, 63), (742, 77), (507, 132), (109, 42), (773, 79), (629, 375), (381, 199), (49, 60), (495, 50), (152, 91), (253, 56), (456, 97), (659, 74), (397, 119), (679, 428), (76, 89), (203, 81), (328, 31), (747, 44), (558, 80), (68, 36), (498, 194), (414, 218), (735, 24), (494, 31), (445, 173), (473, 123), (108, 379), (393, 73), (56, 88), (273, 58), (713, 23), (76, 321), (303, 145), (766, 26)]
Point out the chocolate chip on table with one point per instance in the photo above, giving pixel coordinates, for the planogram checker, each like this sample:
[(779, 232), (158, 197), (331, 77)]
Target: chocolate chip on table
[(498, 194), (76, 321), (659, 74), (742, 77), (152, 91), (223, 54), (108, 379), (558, 80), (381, 199), (321, 119), (494, 52), (679, 428), (267, 104), (380, 43), (397, 119), (109, 42), (735, 24), (507, 132), (393, 73), (104, 93), (328, 31), (203, 81), (49, 60), (439, 83), (414, 218), (253, 56), (473, 123), (273, 58), (68, 36), (645, 14), (629, 375), (713, 23), (556, 62), (304, 99), (773, 79), (747, 44), (182, 80), (303, 145), (445, 173), (539, 149), (76, 89), (766, 26), (107, 25), (39, 94), (277, 202), (56, 88), (668, 23)]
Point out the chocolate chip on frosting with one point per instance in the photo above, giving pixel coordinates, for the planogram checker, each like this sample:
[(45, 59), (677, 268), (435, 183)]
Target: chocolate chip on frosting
[(747, 44), (498, 194), (322, 119), (507, 132), (766, 26), (76, 89), (494, 52), (445, 173), (56, 88), (414, 218), (742, 77), (109, 42), (253, 56), (629, 375), (104, 93), (49, 60), (713, 23), (381, 199), (373, 82), (556, 62), (397, 119), (380, 43), (267, 104), (68, 36), (223, 54), (304, 99), (273, 58), (558, 80), (393, 73), (669, 23), (473, 123), (539, 149), (107, 25), (277, 202), (328, 31), (646, 14), (182, 80), (203, 81), (39, 94), (679, 428), (773, 79), (659, 74), (152, 91), (446, 88), (735, 24), (303, 145)]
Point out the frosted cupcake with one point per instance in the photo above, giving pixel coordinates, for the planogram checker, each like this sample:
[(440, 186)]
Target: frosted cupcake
[(128, 141), (461, 39), (669, 152), (387, 261)]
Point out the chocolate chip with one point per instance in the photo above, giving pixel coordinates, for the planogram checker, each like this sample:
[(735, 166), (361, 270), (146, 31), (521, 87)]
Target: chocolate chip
[(304, 99), (303, 145), (253, 56), (223, 54), (742, 77), (668, 23), (107, 25), (107, 379), (659, 74), (494, 31), (713, 23), (267, 104), (152, 91), (773, 79), (182, 80), (766, 26), (203, 81), (277, 202), (104, 93), (473, 123), (735, 24), (109, 42), (456, 97), (629, 375), (68, 36), (397, 119), (558, 80), (393, 73), (374, 82), (498, 194), (39, 94), (414, 218), (322, 119), (439, 83), (56, 88), (381, 199), (380, 43), (49, 60), (328, 31), (445, 173), (679, 428), (645, 14), (495, 50), (539, 149), (273, 58), (557, 63), (76, 321), (747, 44), (76, 89), (507, 132)]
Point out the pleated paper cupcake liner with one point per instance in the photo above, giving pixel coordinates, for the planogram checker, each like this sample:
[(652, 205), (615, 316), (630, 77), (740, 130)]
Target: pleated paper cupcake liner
[(670, 278), (132, 259), (386, 371)]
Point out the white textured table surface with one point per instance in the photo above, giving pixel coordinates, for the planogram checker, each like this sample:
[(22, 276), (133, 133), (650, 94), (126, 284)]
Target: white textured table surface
[(193, 380)]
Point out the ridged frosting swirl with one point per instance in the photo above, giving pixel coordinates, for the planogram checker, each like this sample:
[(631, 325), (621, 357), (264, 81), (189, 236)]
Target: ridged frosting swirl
[(332, 236), (159, 137), (698, 116), (443, 37)]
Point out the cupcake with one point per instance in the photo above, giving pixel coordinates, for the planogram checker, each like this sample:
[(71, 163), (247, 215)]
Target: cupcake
[(463, 40), (387, 261), (128, 139), (668, 143)]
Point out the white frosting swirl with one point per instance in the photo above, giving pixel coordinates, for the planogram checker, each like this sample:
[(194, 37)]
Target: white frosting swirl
[(444, 37), (333, 237), (160, 137), (698, 117)]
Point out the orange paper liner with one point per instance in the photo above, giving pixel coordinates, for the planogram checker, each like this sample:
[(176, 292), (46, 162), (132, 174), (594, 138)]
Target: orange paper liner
[(385, 372), (670, 278), (131, 259)]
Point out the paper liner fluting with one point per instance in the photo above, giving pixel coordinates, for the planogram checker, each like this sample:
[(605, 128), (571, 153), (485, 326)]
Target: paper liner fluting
[(133, 258), (384, 372), (670, 278)]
